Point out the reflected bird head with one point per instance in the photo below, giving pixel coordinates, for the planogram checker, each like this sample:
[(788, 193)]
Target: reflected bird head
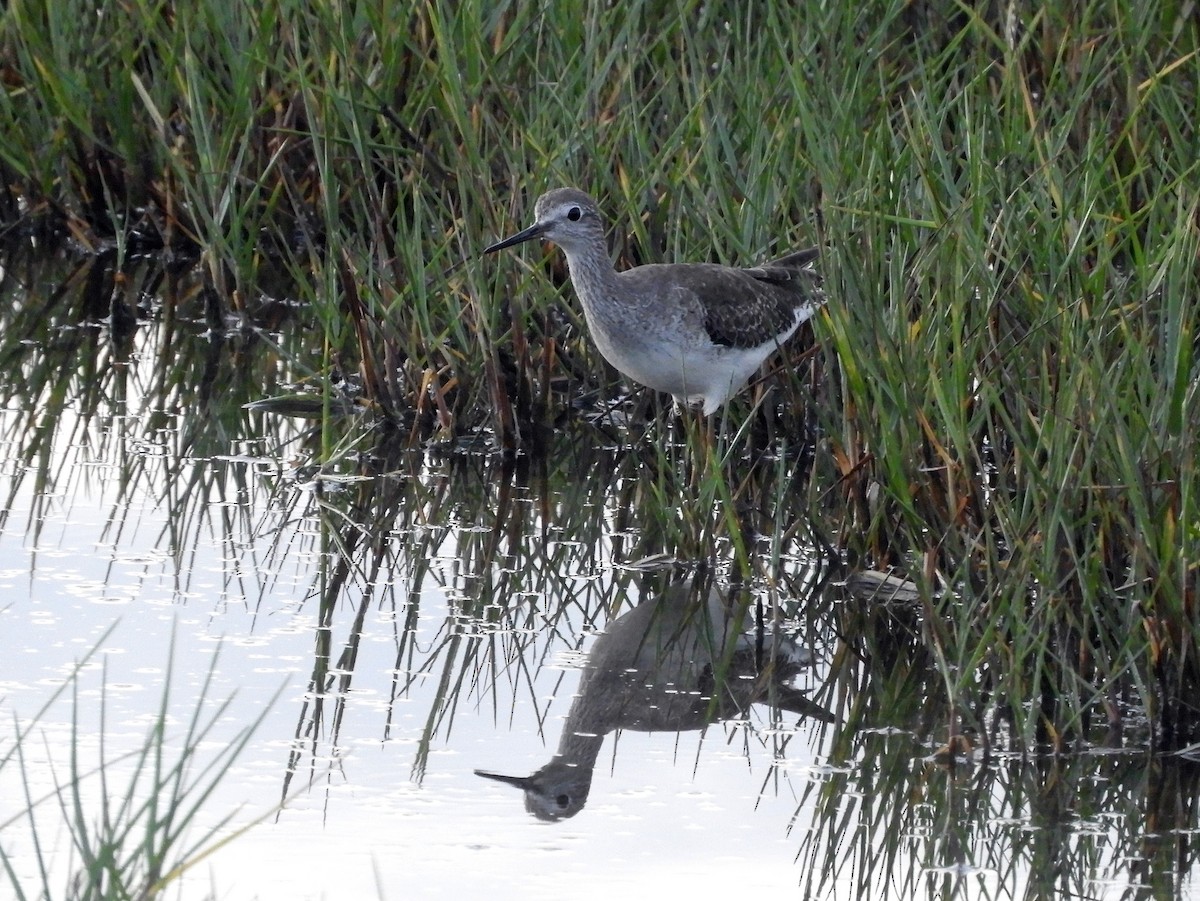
[(555, 792)]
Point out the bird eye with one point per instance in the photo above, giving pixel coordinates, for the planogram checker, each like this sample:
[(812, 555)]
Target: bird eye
[(563, 800), (574, 213)]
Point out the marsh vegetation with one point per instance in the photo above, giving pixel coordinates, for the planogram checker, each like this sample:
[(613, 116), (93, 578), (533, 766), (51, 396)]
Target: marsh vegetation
[(998, 406)]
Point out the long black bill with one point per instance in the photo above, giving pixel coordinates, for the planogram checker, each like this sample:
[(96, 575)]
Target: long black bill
[(519, 781), (528, 234)]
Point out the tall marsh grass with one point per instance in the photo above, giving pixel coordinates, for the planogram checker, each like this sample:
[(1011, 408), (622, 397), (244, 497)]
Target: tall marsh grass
[(130, 817), (1004, 395)]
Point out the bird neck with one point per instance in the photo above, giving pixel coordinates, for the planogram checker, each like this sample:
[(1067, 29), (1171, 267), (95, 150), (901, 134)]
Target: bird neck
[(587, 722), (592, 273), (581, 739)]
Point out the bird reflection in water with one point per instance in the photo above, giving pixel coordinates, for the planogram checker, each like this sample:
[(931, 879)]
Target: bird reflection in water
[(670, 664)]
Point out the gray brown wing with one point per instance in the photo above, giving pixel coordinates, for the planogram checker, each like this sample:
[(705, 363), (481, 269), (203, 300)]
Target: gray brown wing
[(740, 308), (763, 302), (758, 313), (794, 270)]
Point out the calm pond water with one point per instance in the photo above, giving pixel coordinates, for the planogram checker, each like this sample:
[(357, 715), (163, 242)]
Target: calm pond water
[(422, 614)]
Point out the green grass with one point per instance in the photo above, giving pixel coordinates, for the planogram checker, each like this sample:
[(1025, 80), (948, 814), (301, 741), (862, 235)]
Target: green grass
[(1005, 389), (130, 817)]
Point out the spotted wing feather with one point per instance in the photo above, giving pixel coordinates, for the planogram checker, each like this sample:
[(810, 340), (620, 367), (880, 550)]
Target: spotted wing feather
[(764, 302)]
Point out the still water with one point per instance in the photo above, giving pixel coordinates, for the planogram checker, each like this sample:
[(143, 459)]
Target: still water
[(398, 619)]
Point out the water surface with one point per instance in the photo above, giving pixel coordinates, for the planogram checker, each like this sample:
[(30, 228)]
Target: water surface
[(426, 612)]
